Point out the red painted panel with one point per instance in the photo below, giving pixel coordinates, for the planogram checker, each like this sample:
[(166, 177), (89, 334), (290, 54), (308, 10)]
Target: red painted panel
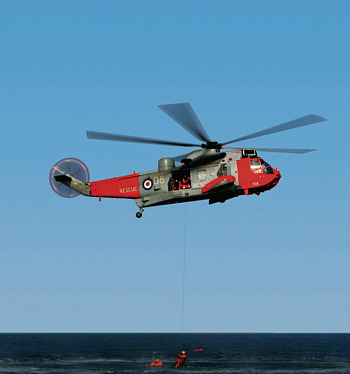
[(126, 187), (255, 180), (245, 176), (216, 181)]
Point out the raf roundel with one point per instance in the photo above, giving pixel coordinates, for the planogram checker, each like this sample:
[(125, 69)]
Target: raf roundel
[(147, 184)]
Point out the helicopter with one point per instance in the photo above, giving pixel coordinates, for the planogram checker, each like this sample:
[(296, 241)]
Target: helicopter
[(213, 172)]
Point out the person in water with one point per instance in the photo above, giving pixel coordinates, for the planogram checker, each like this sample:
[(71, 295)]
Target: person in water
[(181, 359), (157, 362)]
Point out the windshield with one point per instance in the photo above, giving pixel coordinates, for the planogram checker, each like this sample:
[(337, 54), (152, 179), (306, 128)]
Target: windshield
[(254, 164), (267, 167)]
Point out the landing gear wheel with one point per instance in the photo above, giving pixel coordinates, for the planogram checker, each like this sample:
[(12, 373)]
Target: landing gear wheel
[(139, 214)]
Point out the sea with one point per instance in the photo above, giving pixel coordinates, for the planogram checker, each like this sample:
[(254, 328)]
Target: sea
[(129, 353)]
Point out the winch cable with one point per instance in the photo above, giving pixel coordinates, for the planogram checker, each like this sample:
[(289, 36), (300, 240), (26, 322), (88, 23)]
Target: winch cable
[(184, 272)]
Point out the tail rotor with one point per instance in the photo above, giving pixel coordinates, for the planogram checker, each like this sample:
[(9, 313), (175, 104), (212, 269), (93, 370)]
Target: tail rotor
[(68, 167)]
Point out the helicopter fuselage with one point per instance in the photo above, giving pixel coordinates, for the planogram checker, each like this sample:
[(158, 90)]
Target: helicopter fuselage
[(230, 175)]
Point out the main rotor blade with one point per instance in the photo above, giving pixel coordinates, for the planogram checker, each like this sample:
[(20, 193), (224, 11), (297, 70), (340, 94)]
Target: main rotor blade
[(185, 116), (299, 122), (134, 139), (279, 150)]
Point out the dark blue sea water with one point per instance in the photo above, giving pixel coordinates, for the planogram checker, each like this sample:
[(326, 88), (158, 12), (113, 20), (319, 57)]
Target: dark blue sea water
[(128, 353)]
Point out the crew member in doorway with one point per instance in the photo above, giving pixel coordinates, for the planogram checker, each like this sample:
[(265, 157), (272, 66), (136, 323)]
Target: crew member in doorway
[(181, 359), (176, 184), (157, 362), (186, 182)]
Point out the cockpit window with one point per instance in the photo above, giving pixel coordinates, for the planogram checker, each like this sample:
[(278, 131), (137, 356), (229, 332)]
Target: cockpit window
[(266, 166), (222, 170), (268, 170), (202, 175), (254, 164)]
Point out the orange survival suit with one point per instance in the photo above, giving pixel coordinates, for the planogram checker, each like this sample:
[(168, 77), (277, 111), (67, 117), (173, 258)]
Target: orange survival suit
[(157, 362), (181, 359)]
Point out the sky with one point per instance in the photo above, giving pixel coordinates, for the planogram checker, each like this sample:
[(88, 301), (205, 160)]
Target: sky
[(278, 262)]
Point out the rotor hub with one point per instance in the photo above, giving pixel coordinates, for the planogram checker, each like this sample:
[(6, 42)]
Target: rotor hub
[(211, 145)]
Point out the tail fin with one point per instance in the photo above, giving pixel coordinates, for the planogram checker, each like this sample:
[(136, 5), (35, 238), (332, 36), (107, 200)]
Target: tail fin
[(75, 184)]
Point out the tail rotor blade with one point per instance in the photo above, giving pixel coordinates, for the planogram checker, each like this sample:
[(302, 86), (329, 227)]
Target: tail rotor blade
[(185, 116)]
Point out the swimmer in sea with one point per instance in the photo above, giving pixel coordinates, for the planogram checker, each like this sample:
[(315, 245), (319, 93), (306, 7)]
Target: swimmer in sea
[(157, 362)]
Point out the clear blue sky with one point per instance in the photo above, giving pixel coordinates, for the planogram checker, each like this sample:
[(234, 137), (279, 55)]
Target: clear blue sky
[(274, 263)]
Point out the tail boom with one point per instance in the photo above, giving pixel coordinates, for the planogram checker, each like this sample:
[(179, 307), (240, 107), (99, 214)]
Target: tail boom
[(126, 187)]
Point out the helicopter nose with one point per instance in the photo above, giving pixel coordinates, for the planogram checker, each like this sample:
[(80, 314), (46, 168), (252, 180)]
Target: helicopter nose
[(276, 178)]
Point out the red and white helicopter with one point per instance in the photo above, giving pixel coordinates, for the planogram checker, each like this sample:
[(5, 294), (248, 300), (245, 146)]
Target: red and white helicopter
[(214, 172)]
